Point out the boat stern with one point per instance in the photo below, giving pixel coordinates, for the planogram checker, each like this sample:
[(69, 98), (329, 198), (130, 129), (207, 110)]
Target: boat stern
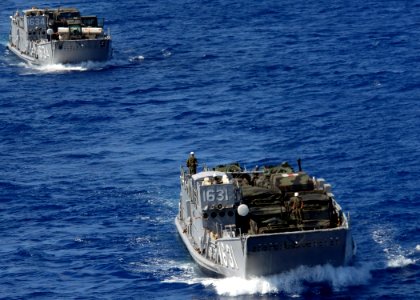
[(276, 253), (76, 51)]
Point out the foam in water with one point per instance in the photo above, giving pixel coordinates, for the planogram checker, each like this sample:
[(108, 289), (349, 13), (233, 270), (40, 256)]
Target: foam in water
[(157, 266), (292, 282), (60, 68), (400, 261), (137, 58), (187, 275), (396, 256), (166, 52)]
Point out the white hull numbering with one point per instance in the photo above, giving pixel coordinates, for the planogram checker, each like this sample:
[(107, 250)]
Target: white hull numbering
[(244, 223), (58, 36)]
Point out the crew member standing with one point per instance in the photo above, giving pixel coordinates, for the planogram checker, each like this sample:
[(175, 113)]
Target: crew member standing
[(296, 203), (192, 163)]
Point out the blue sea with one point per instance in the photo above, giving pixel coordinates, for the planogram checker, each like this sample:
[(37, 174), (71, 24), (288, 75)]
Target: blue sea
[(90, 154)]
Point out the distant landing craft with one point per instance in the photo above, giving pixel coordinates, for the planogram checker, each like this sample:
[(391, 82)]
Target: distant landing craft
[(244, 223), (58, 36)]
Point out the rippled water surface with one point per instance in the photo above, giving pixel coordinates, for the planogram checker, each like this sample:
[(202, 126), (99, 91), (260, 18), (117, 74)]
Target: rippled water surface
[(90, 153)]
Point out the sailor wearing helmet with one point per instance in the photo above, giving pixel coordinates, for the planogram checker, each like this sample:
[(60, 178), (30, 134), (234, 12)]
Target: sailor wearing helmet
[(192, 163)]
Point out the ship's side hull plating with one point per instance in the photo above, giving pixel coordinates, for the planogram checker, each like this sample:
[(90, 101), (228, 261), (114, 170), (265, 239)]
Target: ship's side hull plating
[(66, 52)]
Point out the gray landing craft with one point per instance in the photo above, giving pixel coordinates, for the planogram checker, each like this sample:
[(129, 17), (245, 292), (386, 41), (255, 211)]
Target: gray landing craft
[(242, 223), (58, 36)]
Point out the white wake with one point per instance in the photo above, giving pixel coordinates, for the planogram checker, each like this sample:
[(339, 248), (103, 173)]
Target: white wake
[(396, 256), (64, 68), (293, 282)]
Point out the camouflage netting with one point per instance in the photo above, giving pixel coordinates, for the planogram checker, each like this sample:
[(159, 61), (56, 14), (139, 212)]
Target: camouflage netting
[(232, 167), (254, 195), (286, 182), (291, 183), (282, 168)]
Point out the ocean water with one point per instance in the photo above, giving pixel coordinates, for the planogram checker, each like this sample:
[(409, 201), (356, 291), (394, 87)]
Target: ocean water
[(90, 153)]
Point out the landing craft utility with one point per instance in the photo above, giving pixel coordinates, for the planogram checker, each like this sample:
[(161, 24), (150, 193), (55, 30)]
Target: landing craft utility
[(243, 223), (58, 36)]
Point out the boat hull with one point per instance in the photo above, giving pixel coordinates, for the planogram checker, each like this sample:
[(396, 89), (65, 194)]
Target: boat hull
[(66, 52)]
